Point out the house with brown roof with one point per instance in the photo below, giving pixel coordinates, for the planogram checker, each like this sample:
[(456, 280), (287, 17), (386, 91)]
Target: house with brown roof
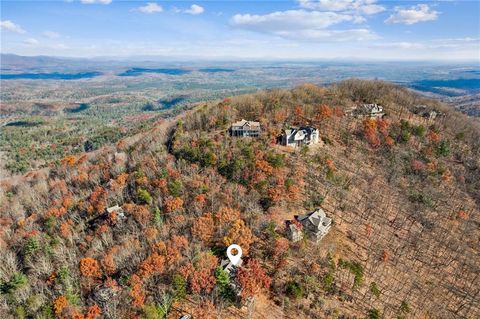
[(245, 128)]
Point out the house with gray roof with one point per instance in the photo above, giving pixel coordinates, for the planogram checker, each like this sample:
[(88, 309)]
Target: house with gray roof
[(245, 128), (427, 112), (297, 137), (316, 224), (368, 110)]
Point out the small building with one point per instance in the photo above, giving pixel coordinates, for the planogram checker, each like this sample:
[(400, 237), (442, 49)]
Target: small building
[(294, 231), (426, 112), (373, 110), (368, 110), (117, 210), (245, 128), (297, 137), (316, 224)]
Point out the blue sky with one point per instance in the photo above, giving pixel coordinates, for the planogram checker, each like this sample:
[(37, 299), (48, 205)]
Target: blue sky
[(301, 29)]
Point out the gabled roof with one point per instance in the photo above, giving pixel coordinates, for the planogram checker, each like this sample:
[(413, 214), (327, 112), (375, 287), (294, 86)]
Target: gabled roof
[(373, 107), (115, 208), (301, 133), (244, 123), (317, 218)]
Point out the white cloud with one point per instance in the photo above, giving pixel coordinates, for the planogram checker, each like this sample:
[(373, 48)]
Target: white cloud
[(51, 34), (368, 7), (150, 7), (412, 15), (195, 9), (31, 41), (303, 25), (288, 20), (10, 26), (96, 1)]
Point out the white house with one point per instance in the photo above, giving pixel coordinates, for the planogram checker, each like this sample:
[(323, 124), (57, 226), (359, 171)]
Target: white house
[(299, 136)]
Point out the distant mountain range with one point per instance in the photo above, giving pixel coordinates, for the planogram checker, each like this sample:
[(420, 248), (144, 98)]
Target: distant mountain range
[(451, 82)]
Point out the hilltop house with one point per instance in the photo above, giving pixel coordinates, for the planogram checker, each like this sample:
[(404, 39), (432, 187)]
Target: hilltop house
[(316, 224), (296, 137), (427, 113), (368, 110), (245, 128)]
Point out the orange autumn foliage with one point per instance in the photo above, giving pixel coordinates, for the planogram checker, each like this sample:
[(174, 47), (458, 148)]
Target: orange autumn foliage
[(433, 137), (330, 165), (69, 161), (59, 305), (252, 279), (136, 292), (140, 213), (93, 312), (56, 212), (226, 215), (154, 264), (239, 234), (201, 198), (97, 200), (203, 278), (89, 267), (65, 230), (51, 279), (108, 261), (174, 248), (173, 203), (151, 234), (204, 227), (324, 112), (370, 132)]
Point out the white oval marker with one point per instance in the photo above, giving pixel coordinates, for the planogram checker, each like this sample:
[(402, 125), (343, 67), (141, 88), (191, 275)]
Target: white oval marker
[(234, 259)]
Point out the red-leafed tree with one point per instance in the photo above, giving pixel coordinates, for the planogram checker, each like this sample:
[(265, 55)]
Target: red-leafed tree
[(252, 279), (203, 278), (370, 132), (324, 112)]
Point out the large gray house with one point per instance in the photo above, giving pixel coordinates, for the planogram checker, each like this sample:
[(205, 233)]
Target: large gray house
[(316, 224), (245, 128), (296, 137)]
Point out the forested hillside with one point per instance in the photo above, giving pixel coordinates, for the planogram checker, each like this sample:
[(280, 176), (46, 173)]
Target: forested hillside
[(403, 193)]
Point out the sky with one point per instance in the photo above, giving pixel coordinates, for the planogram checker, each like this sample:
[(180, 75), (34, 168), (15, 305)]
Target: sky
[(260, 29)]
